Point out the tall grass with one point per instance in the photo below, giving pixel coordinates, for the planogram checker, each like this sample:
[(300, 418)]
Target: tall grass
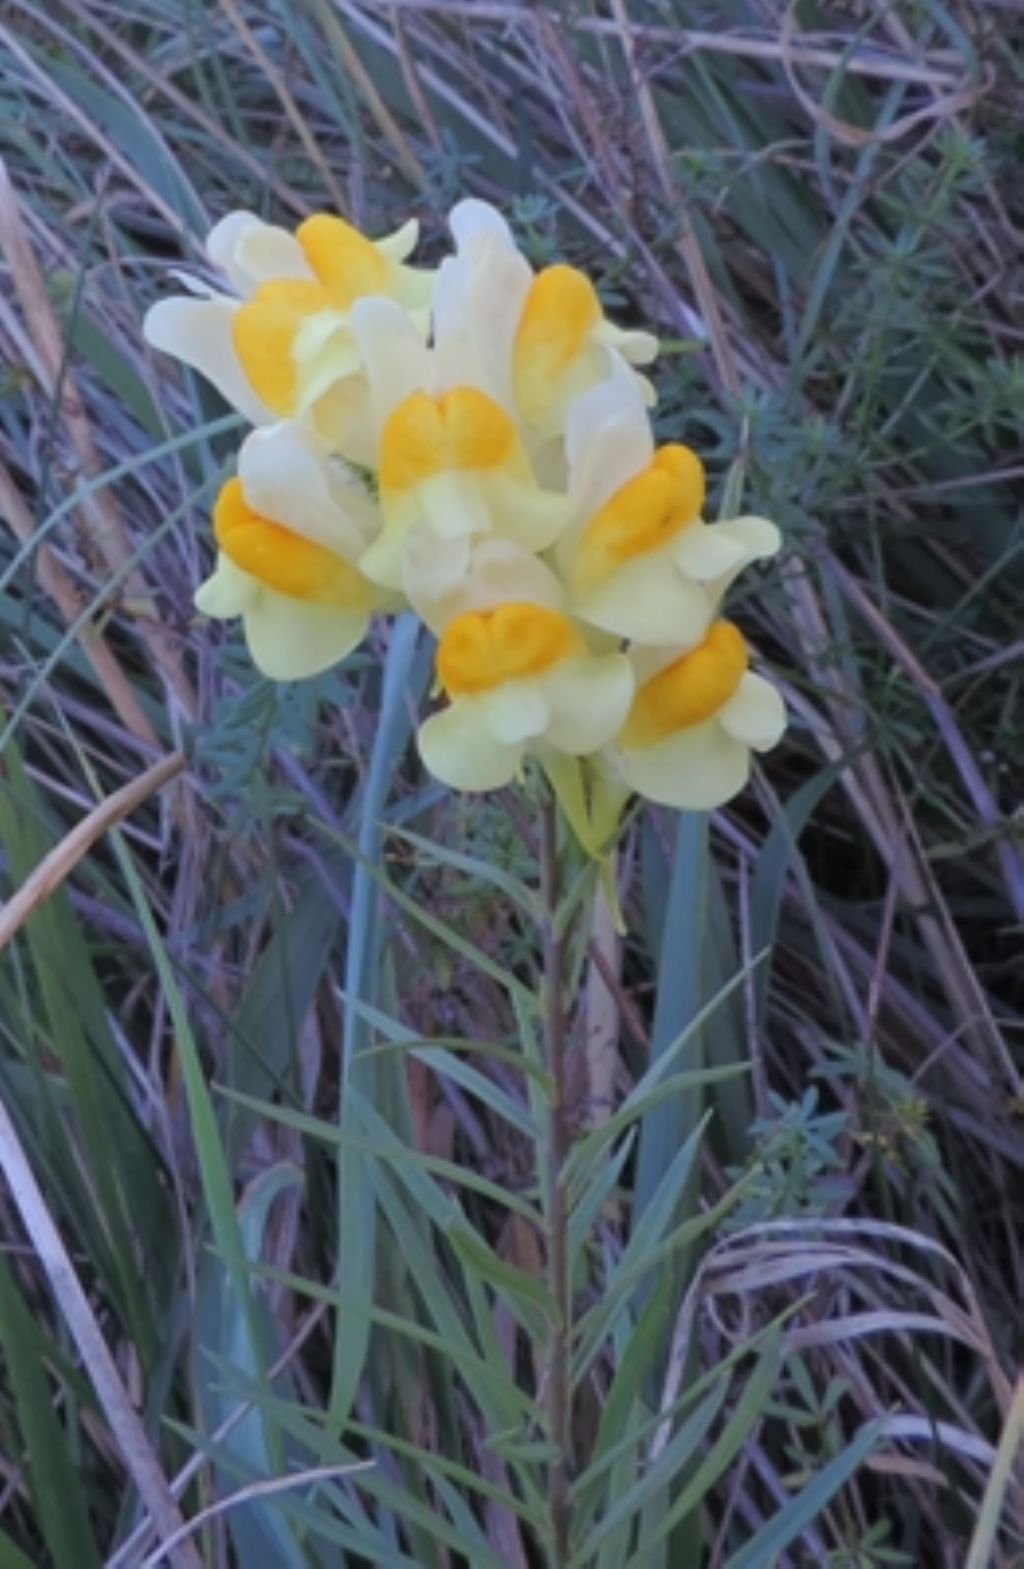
[(271, 1048)]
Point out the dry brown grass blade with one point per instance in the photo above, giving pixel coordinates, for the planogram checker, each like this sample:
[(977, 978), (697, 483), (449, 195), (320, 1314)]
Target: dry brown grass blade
[(57, 583), (382, 116), (1004, 1490), (890, 828), (939, 110), (291, 109), (105, 526), (409, 67), (686, 241), (133, 1444), (63, 110), (262, 1489), (58, 865), (882, 65), (963, 759), (90, 22)]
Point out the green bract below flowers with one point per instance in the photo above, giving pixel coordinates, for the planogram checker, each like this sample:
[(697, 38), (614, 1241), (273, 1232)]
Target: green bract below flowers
[(474, 443)]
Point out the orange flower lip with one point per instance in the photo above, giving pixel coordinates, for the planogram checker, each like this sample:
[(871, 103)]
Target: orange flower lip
[(482, 648), (689, 690), (561, 311), (461, 429), (282, 560), (264, 330), (347, 264), (645, 512)]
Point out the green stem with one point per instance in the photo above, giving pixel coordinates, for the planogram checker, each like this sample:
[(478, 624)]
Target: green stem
[(558, 1392)]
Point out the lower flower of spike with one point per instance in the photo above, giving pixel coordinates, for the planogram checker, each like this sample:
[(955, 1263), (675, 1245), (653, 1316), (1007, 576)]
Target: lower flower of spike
[(520, 679), (694, 720)]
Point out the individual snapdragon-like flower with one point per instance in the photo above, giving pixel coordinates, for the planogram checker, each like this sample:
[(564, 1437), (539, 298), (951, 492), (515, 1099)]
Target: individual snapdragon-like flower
[(289, 531), (638, 560), (282, 346), (694, 720), (451, 467), (519, 677), (536, 342)]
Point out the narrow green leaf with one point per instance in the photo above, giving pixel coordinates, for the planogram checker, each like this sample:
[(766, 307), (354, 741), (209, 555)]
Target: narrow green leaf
[(784, 1527), (59, 1490), (749, 1409)]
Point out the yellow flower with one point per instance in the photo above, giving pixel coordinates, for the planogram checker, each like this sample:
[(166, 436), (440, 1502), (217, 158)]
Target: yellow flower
[(284, 344), (519, 678), (450, 462), (638, 560), (535, 342), (289, 530), (694, 719)]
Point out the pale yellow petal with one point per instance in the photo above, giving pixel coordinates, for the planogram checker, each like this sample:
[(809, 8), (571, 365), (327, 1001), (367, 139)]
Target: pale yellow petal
[(516, 711), (441, 583), (521, 511), (250, 251), (342, 419), (589, 698), (713, 553), (221, 244), (394, 356), (290, 639), (458, 749), (382, 561), (325, 354), (608, 441), (199, 333), (649, 601), (434, 575), (472, 217), (637, 347), (286, 477), (478, 300), (227, 592), (755, 714), (401, 242), (695, 769), (452, 503)]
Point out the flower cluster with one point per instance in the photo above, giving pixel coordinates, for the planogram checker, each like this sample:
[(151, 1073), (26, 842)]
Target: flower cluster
[(474, 442)]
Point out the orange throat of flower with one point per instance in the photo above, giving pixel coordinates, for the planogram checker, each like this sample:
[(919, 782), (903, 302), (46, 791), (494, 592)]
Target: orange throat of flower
[(282, 560), (481, 649), (643, 515), (689, 690)]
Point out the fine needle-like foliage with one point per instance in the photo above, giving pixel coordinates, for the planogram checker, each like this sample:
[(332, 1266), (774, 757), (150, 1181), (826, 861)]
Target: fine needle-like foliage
[(388, 1179)]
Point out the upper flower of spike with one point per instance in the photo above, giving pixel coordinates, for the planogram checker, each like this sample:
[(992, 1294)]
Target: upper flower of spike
[(284, 343), (638, 560), (289, 531), (536, 342)]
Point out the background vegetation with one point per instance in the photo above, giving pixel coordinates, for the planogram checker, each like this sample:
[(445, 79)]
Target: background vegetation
[(254, 986)]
